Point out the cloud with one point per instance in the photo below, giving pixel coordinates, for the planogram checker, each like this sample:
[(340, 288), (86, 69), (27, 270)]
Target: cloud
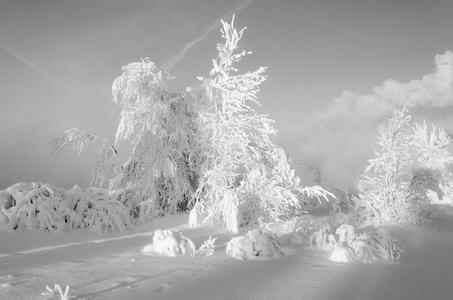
[(432, 90), (342, 136), (23, 60), (210, 28)]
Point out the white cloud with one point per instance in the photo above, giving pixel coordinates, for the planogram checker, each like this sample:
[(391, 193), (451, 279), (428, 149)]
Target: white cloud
[(341, 137), (434, 89)]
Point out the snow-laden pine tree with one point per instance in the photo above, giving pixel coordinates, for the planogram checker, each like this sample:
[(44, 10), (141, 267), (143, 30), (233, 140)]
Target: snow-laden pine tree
[(246, 176), (384, 186)]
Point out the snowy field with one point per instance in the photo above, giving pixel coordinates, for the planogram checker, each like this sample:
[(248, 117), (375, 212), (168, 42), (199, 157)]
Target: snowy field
[(110, 266)]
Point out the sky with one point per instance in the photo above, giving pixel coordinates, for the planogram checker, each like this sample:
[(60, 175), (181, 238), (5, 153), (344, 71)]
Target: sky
[(336, 69)]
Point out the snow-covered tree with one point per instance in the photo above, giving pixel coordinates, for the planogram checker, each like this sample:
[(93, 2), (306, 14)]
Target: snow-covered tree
[(384, 186), (433, 158), (161, 171), (246, 176), (412, 162)]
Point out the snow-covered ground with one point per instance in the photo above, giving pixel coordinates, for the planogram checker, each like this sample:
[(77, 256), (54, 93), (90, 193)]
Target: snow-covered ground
[(111, 266)]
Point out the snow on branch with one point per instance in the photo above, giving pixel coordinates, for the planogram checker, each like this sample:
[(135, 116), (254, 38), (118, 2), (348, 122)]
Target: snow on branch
[(82, 142)]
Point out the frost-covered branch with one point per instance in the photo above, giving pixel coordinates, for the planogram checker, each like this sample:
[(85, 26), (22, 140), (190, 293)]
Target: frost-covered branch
[(107, 165)]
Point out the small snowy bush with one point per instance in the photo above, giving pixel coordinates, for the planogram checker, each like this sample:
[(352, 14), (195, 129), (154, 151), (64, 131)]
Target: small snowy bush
[(207, 248), (34, 206), (37, 206), (169, 243), (255, 244), (368, 245), (101, 212), (57, 289)]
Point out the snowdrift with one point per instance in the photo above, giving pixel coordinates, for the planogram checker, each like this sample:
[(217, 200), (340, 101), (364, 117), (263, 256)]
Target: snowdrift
[(169, 243)]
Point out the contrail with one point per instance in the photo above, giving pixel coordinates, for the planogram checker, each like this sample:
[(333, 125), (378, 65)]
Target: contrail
[(13, 53), (178, 57)]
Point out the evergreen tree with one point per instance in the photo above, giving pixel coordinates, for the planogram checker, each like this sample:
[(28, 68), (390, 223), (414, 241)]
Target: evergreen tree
[(246, 176)]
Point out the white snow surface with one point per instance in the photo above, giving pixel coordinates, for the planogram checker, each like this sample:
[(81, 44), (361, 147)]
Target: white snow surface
[(111, 266)]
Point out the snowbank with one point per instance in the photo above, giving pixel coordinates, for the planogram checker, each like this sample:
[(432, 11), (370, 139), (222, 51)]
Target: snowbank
[(255, 244), (169, 243)]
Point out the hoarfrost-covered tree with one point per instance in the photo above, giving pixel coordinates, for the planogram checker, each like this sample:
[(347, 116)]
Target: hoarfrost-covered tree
[(161, 170), (160, 173), (384, 185), (246, 176), (433, 157), (412, 161)]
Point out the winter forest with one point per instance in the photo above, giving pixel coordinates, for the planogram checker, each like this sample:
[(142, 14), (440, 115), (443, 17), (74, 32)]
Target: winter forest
[(193, 195)]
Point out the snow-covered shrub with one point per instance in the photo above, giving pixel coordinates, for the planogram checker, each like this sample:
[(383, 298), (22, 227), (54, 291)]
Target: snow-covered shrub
[(97, 210), (37, 206), (255, 244), (368, 245), (349, 244), (207, 248), (57, 289), (34, 206), (102, 212), (322, 238), (169, 243), (245, 176)]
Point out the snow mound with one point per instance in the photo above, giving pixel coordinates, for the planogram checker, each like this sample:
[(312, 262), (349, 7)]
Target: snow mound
[(255, 244), (169, 243), (342, 254)]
